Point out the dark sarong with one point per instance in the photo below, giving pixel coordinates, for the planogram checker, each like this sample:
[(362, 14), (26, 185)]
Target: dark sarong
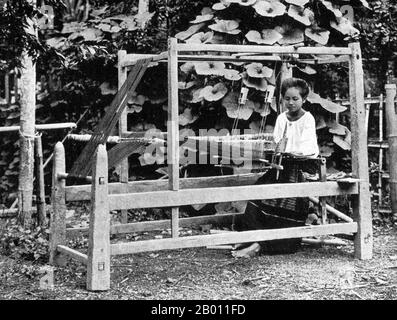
[(279, 213)]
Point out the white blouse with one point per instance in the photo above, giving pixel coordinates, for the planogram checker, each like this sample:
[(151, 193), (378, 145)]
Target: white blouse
[(301, 134)]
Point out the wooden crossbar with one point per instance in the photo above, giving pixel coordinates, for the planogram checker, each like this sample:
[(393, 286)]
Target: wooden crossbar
[(132, 59), (226, 194), (221, 219), (230, 237), (83, 192), (76, 255), (181, 47), (49, 126)]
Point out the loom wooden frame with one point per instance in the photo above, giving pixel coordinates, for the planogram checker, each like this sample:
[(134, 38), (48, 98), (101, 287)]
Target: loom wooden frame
[(176, 192)]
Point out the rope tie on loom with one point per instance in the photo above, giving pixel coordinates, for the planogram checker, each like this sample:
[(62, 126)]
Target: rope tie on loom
[(30, 145)]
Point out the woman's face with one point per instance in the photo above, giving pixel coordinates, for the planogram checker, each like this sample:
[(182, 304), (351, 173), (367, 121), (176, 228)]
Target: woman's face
[(293, 100)]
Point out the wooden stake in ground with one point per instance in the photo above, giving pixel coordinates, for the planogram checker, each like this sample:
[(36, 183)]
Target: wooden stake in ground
[(391, 118), (58, 201), (27, 123)]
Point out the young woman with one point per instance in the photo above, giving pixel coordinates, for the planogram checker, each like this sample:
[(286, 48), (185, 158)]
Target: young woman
[(295, 135), (296, 126)]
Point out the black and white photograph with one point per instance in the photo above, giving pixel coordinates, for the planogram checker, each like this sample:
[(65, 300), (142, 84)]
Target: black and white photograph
[(200, 157)]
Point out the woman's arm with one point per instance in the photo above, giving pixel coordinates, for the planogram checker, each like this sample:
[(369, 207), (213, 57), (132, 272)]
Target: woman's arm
[(278, 128)]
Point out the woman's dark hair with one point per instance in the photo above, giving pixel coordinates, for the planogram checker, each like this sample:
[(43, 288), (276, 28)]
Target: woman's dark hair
[(301, 84)]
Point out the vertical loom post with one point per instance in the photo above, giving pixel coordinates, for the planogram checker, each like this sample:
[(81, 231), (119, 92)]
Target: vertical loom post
[(363, 242), (123, 167), (58, 212), (98, 267), (40, 195), (173, 130), (391, 126)]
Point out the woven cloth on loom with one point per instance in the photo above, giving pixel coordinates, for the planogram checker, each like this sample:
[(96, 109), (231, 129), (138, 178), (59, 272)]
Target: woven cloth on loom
[(292, 172)]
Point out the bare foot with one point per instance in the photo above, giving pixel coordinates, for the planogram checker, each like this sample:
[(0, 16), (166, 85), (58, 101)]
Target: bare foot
[(248, 252)]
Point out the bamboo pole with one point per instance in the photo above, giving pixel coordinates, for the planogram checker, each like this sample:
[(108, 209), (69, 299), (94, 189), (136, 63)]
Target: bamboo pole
[(332, 210), (391, 126), (380, 171), (40, 193), (7, 88)]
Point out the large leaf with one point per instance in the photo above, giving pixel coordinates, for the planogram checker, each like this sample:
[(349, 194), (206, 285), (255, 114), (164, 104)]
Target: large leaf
[(201, 37), (304, 16), (231, 74), (56, 42), (325, 103), (331, 8), (183, 35), (336, 128), (344, 141), (186, 117), (321, 36), (291, 35), (267, 36), (256, 83), (308, 70), (196, 96), (233, 110), (202, 18), (209, 68), (186, 85), (214, 93), (222, 5), (226, 26), (269, 8), (187, 67), (136, 102), (258, 70)]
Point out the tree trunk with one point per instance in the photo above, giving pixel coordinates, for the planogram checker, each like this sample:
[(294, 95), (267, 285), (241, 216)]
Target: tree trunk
[(27, 91)]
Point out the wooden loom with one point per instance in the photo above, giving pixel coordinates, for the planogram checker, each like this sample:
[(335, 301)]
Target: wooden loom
[(177, 192)]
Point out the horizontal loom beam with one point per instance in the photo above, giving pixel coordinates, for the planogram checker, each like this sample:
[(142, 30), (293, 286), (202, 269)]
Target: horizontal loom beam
[(231, 237), (228, 194)]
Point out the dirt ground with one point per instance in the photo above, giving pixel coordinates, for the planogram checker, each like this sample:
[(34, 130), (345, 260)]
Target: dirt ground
[(313, 273)]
